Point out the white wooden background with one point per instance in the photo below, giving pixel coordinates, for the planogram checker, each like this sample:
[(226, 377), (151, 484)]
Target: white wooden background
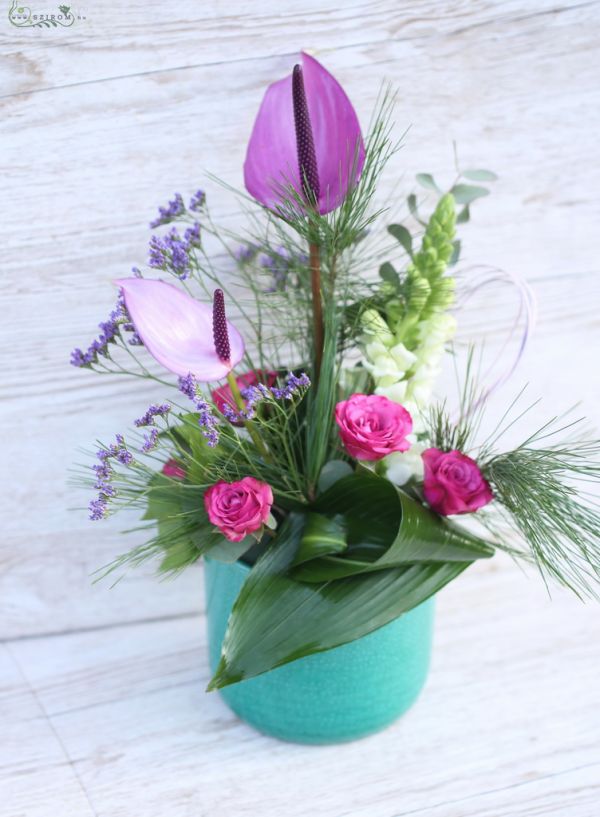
[(101, 696)]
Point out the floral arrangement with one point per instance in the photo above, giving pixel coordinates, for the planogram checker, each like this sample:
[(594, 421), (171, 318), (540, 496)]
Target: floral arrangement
[(301, 436)]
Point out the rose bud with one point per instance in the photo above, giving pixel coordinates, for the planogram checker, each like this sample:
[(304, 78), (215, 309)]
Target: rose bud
[(238, 508), (371, 426), (453, 483)]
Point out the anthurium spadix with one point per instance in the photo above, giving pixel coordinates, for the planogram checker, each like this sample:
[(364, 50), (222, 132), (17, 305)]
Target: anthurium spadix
[(182, 334), (306, 135)]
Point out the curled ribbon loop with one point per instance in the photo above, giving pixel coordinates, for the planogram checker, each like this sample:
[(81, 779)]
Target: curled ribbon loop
[(475, 280)]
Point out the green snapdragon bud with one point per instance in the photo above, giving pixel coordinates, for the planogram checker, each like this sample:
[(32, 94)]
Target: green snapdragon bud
[(427, 290)]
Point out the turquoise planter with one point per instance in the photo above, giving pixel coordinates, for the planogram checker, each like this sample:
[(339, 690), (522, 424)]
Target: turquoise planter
[(334, 696)]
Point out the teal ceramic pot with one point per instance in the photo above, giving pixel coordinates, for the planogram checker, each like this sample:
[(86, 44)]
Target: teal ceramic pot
[(338, 695)]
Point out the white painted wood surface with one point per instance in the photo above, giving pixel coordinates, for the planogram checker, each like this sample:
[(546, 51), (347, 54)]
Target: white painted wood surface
[(101, 690)]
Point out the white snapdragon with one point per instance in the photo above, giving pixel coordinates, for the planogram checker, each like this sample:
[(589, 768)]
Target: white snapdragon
[(404, 466), (406, 377)]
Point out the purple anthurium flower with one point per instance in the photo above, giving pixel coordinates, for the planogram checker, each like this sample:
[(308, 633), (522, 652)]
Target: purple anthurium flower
[(306, 135), (184, 335)]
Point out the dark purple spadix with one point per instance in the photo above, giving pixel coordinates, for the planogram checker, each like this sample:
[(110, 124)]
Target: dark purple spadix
[(220, 333), (305, 143)]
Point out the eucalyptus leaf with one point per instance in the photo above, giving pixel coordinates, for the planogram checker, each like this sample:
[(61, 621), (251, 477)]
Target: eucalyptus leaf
[(455, 253), (464, 215), (401, 234), (276, 620), (479, 175), (466, 193), (388, 274), (412, 205), (427, 180)]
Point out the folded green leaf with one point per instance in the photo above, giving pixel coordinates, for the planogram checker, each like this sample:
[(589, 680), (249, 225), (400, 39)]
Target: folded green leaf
[(322, 535), (386, 528), (276, 620)]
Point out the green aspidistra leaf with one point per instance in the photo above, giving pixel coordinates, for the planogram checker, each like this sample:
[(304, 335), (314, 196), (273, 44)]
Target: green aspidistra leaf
[(386, 528), (311, 618), (322, 535)]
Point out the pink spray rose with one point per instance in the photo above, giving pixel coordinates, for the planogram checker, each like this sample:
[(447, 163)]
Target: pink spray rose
[(453, 482), (238, 508), (372, 426), (223, 396), (171, 468)]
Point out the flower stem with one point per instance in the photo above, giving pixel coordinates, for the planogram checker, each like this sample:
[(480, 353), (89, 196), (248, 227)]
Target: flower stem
[(248, 425), (315, 279)]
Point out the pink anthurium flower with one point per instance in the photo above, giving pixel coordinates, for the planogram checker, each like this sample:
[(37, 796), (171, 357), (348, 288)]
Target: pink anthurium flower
[(306, 135), (184, 335)]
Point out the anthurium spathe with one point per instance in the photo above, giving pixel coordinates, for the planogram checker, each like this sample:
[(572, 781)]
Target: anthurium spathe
[(183, 334), (306, 130)]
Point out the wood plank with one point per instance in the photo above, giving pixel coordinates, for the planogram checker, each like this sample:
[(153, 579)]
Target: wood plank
[(184, 121), (34, 61), (34, 769), (507, 725)]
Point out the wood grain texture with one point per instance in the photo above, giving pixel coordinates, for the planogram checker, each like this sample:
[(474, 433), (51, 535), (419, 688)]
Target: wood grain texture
[(35, 769), (508, 723), (102, 122), (101, 699)]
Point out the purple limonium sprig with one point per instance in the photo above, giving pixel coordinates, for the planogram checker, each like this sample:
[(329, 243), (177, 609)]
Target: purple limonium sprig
[(294, 385), (98, 509), (110, 329), (253, 395), (191, 237), (207, 421), (198, 200), (172, 251), (280, 264), (150, 440), (152, 413), (118, 450), (245, 253), (172, 211)]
